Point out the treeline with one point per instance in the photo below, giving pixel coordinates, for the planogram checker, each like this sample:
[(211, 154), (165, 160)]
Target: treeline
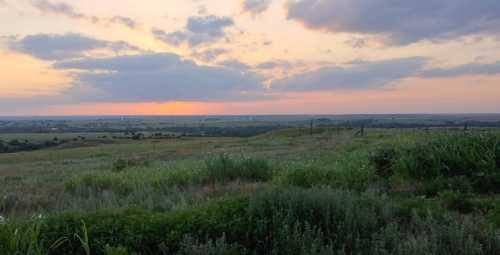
[(228, 131), (368, 123), (16, 145), (224, 131)]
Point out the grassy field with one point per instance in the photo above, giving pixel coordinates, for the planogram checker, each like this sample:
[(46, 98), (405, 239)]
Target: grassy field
[(337, 191)]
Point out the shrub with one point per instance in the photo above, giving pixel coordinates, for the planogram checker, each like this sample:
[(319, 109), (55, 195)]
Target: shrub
[(305, 176), (108, 250), (343, 218), (192, 246), (457, 201), (281, 221), (489, 183), (350, 171), (121, 164), (147, 232), (449, 155), (461, 162), (431, 188), (161, 178), (224, 168), (383, 159)]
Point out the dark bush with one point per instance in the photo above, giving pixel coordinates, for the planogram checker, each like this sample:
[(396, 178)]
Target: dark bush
[(450, 155), (453, 161), (431, 188), (121, 164), (306, 176), (192, 246), (147, 232), (224, 168), (487, 183), (278, 221), (457, 202), (383, 159)]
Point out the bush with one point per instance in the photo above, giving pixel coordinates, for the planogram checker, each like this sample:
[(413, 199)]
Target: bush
[(489, 183), (305, 176), (334, 218), (108, 250), (278, 221), (192, 246), (383, 159), (431, 188), (454, 161), (224, 168), (450, 155), (121, 164), (457, 202), (147, 232), (350, 171)]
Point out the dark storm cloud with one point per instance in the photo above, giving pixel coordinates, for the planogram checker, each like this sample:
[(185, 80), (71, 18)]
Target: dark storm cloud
[(198, 30), (368, 75), (158, 77), (401, 22), (58, 47), (69, 11), (255, 7)]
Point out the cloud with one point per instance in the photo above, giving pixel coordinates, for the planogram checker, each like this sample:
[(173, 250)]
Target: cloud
[(202, 10), (399, 22), (467, 69), (366, 75), (234, 64), (126, 21), (69, 11), (59, 47), (158, 77), (255, 7), (198, 30), (58, 8), (274, 64), (210, 55), (357, 43), (54, 47)]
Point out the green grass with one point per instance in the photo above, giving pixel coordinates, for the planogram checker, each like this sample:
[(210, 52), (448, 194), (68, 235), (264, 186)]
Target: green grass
[(390, 191)]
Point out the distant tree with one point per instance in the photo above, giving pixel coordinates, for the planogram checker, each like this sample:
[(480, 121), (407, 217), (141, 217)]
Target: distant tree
[(137, 136), (14, 142), (3, 147)]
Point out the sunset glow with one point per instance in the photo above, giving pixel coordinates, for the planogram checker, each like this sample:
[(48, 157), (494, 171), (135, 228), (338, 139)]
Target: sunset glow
[(165, 57)]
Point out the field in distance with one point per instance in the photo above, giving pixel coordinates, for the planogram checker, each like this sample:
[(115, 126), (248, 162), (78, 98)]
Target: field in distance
[(332, 189)]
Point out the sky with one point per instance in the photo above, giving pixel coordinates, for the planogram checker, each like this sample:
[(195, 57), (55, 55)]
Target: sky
[(204, 57)]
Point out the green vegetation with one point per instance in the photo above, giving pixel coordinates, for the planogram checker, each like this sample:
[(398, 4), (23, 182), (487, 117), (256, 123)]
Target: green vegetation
[(387, 191)]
